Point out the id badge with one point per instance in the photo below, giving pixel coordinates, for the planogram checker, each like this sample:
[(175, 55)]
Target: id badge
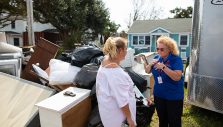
[(160, 80)]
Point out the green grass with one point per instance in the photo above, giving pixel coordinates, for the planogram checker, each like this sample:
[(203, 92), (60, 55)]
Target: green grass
[(195, 117)]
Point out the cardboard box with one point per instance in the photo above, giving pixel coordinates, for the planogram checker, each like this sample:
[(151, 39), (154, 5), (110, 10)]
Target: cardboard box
[(66, 111)]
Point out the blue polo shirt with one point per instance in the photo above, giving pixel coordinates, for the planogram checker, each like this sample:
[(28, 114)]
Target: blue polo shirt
[(168, 89)]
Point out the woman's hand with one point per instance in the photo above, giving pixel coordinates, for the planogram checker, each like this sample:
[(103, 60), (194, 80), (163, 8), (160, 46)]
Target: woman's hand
[(173, 74), (154, 62), (147, 68), (127, 113), (149, 102), (159, 65), (130, 122)]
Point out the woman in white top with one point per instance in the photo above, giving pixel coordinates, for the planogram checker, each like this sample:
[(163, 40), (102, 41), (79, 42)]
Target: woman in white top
[(114, 87)]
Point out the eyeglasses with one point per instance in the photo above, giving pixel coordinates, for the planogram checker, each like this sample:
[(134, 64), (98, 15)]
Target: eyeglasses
[(161, 49)]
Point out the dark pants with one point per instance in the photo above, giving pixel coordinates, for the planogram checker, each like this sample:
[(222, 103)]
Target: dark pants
[(169, 112)]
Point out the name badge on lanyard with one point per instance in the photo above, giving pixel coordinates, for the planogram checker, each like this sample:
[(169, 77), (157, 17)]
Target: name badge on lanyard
[(160, 79)]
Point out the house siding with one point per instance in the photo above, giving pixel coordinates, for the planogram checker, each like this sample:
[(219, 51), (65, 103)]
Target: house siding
[(184, 50), (175, 37), (152, 46), (168, 27), (20, 28)]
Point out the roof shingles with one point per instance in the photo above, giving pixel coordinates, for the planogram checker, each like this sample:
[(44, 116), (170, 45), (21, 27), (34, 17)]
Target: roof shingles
[(172, 25)]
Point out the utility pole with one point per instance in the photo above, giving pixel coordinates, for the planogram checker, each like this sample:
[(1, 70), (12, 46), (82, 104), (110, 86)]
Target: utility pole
[(29, 4)]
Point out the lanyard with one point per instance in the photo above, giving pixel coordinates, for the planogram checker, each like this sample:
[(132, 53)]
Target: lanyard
[(164, 62)]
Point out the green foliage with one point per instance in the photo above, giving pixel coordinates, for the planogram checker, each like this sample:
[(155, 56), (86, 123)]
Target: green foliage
[(65, 15), (11, 10), (182, 13), (69, 41), (68, 16), (75, 19), (97, 17), (110, 30)]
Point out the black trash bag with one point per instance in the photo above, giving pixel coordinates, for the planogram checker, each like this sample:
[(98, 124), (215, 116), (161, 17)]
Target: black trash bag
[(83, 55), (144, 113), (97, 60), (94, 101), (138, 80), (86, 77), (95, 119), (65, 56)]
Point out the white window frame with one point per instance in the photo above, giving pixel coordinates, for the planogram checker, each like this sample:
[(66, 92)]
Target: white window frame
[(183, 55), (141, 38), (180, 40), (144, 39)]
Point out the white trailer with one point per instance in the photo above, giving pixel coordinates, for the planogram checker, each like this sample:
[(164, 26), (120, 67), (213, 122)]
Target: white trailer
[(205, 86)]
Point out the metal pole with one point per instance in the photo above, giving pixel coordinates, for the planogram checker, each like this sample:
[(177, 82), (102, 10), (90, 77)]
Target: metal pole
[(29, 4)]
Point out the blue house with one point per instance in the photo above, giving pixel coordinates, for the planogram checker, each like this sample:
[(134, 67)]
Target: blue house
[(143, 34)]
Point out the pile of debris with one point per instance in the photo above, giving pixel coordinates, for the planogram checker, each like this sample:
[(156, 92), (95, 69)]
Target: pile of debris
[(79, 69)]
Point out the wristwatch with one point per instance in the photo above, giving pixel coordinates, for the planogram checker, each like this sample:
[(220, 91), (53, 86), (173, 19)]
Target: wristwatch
[(163, 67)]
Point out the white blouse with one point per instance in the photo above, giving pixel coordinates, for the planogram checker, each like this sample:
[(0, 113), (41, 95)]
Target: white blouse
[(114, 89)]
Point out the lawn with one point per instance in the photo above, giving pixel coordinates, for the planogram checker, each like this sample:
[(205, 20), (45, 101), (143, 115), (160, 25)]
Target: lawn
[(195, 117)]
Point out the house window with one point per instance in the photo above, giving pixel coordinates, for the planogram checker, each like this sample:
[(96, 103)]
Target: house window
[(135, 40), (141, 40), (16, 41), (147, 40), (13, 24), (183, 40)]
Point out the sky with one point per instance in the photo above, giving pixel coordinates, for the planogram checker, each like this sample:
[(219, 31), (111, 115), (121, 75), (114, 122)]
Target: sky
[(120, 9)]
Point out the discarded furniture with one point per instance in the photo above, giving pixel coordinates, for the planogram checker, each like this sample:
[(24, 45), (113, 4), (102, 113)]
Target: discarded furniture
[(69, 108), (18, 97), (44, 51), (11, 63)]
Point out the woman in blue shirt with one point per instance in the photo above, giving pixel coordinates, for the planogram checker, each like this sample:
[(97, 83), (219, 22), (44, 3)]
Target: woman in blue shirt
[(167, 68)]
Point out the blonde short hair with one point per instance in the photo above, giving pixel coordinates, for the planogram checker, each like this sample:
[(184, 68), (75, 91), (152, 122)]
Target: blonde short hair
[(170, 43), (113, 44)]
